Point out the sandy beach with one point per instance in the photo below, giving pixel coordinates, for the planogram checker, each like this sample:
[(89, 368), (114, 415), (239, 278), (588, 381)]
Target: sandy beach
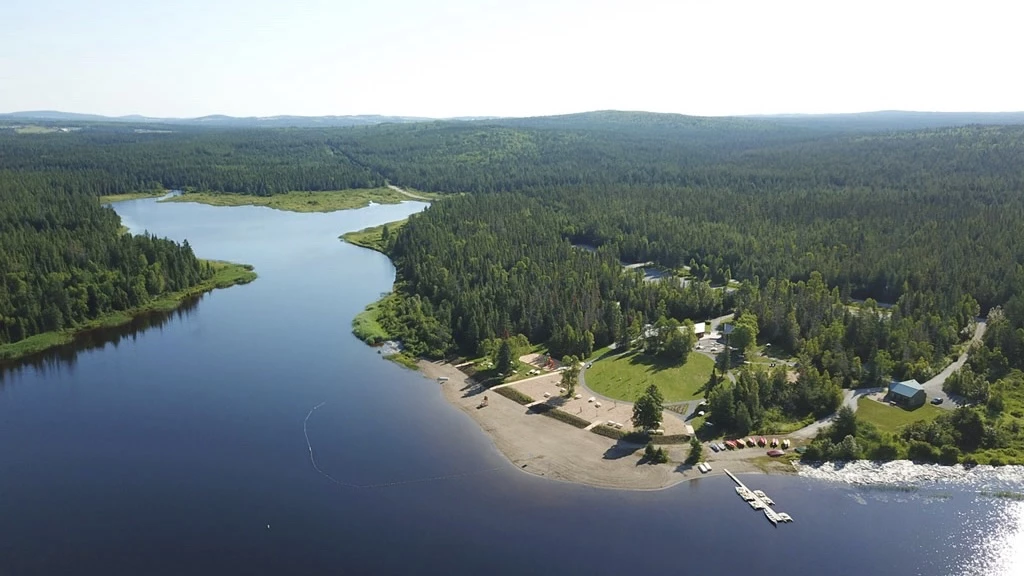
[(546, 447)]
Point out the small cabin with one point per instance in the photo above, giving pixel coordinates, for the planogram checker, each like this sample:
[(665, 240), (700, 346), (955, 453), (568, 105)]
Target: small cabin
[(908, 394), (700, 329)]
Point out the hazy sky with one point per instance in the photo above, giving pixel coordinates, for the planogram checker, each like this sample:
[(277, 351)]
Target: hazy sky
[(511, 58)]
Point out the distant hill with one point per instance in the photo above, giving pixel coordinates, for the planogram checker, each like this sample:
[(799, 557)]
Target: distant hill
[(216, 120), (652, 122), (894, 120), (616, 120)]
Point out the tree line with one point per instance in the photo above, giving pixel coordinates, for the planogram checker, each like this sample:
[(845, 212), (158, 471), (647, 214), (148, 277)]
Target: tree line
[(64, 259)]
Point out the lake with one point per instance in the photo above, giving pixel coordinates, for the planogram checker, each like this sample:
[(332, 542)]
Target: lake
[(170, 446)]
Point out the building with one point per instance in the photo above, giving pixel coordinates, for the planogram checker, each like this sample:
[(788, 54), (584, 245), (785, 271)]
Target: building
[(700, 329), (909, 394)]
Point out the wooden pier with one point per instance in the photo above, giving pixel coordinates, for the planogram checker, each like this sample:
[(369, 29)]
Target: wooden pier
[(758, 500)]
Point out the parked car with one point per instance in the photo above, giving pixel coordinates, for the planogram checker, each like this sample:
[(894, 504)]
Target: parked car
[(936, 401)]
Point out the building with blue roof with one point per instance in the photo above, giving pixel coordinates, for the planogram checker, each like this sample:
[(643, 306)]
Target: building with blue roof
[(909, 394)]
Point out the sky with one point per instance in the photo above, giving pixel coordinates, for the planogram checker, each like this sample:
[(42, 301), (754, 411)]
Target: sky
[(446, 58)]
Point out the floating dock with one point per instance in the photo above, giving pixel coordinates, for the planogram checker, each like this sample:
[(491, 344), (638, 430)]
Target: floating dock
[(758, 500)]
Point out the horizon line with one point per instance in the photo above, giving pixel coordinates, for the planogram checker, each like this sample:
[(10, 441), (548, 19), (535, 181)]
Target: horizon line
[(132, 116)]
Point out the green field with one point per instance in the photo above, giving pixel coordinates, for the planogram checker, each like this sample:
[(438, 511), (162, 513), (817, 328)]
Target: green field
[(328, 201), (371, 237), (131, 196), (626, 376), (365, 325), (226, 274), (34, 130), (891, 418)]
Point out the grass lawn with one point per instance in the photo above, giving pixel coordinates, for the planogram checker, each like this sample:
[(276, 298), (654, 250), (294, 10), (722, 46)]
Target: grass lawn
[(110, 198), (487, 374), (225, 274), (327, 201), (626, 376), (892, 418), (371, 237), (365, 325)]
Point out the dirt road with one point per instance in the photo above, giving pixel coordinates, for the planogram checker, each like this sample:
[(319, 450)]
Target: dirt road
[(409, 194)]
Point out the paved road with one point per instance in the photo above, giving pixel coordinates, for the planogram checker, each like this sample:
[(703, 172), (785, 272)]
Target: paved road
[(850, 398), (691, 405), (933, 387), (716, 322)]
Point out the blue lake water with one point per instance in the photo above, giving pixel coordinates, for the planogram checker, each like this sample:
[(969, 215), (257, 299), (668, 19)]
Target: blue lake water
[(170, 448)]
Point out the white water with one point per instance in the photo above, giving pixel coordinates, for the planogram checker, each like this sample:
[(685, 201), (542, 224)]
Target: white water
[(906, 474)]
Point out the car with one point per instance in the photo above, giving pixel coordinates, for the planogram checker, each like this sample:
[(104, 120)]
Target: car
[(700, 413), (936, 401), (589, 364), (714, 447)]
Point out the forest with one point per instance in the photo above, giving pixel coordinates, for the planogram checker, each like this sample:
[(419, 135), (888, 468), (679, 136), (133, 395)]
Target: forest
[(925, 225), (64, 259)]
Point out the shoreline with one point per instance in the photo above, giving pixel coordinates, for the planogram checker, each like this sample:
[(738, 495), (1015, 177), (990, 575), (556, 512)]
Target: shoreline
[(114, 198), (301, 201), (228, 274), (545, 447)]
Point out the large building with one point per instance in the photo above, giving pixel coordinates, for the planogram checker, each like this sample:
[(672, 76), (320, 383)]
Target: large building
[(909, 393)]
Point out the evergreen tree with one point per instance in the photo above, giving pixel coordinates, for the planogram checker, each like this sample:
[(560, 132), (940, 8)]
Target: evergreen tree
[(504, 362), (648, 408)]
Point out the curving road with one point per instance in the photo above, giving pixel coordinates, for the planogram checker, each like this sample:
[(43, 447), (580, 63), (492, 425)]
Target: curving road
[(850, 399), (691, 405), (933, 387)]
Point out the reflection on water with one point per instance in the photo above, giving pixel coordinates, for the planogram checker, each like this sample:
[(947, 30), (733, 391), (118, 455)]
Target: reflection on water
[(991, 540), (173, 453), (66, 355), (995, 543)]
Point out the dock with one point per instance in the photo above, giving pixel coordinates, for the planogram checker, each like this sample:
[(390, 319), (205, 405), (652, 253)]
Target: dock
[(758, 500)]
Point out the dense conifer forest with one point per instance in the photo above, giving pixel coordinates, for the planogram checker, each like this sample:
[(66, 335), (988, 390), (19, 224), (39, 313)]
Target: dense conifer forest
[(806, 216), (64, 259)]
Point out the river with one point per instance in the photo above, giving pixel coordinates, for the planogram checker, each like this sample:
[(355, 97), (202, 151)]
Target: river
[(180, 446)]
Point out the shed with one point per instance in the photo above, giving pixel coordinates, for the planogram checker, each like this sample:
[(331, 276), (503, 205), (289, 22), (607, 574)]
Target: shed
[(700, 328), (909, 393), (688, 430)]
